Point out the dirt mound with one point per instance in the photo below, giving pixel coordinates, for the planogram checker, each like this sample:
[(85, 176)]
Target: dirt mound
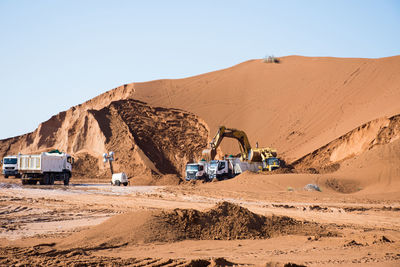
[(226, 221), (147, 141)]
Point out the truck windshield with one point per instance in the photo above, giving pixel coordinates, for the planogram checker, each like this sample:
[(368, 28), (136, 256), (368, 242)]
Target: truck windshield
[(273, 161), (192, 168), (10, 161), (213, 164)]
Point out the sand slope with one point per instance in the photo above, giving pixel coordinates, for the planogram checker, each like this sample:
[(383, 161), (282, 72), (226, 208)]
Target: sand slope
[(296, 106)]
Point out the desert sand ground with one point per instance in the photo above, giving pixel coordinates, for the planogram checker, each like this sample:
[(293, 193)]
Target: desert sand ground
[(56, 225)]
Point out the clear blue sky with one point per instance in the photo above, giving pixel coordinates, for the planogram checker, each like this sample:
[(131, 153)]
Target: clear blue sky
[(55, 54)]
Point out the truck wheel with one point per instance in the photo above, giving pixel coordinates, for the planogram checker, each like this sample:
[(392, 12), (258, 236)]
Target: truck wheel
[(66, 179), (33, 182), (125, 184), (117, 183), (6, 176), (24, 182), (51, 179), (18, 175), (45, 179)]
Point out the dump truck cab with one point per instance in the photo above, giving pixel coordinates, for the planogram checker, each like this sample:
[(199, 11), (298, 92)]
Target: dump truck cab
[(220, 169), (196, 171), (10, 166)]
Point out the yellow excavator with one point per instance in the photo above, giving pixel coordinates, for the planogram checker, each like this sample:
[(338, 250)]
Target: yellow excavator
[(265, 155)]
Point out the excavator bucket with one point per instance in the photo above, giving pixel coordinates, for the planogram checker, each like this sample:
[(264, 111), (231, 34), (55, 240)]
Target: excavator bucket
[(208, 154)]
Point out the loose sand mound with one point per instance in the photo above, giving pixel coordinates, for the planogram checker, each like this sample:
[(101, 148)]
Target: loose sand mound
[(148, 141), (224, 222)]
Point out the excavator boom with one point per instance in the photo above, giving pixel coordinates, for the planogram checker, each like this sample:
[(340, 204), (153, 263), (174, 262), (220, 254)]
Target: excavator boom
[(209, 154)]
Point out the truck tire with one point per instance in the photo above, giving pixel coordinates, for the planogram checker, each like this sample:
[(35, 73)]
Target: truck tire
[(51, 179), (24, 182), (18, 175), (45, 180), (125, 184), (117, 183), (66, 179), (6, 176)]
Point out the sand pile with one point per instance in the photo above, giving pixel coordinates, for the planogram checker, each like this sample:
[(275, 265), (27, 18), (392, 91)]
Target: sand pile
[(226, 221), (149, 142)]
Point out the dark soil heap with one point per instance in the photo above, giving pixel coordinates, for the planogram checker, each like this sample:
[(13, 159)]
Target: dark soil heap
[(225, 222)]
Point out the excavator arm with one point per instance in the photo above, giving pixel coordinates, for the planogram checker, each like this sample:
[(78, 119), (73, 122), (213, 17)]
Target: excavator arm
[(244, 144)]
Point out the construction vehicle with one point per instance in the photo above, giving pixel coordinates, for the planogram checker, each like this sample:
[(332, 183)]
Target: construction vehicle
[(265, 155), (45, 168), (220, 170), (10, 166), (119, 178), (196, 171), (230, 167), (116, 178)]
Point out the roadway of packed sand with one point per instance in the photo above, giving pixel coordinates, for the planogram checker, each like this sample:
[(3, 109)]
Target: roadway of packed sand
[(35, 219)]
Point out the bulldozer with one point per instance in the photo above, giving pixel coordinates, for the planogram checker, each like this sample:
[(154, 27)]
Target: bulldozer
[(265, 155)]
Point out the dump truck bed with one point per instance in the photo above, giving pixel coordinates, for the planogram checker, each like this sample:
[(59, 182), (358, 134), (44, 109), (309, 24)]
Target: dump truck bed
[(41, 163)]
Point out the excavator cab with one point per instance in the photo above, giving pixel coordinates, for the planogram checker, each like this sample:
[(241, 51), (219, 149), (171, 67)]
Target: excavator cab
[(271, 164)]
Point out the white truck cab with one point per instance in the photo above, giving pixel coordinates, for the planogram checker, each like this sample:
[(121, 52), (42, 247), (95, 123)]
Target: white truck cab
[(196, 171), (10, 166), (220, 169)]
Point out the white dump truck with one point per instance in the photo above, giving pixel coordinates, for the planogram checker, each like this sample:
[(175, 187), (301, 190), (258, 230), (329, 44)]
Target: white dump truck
[(10, 166), (196, 171), (230, 167), (45, 168)]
